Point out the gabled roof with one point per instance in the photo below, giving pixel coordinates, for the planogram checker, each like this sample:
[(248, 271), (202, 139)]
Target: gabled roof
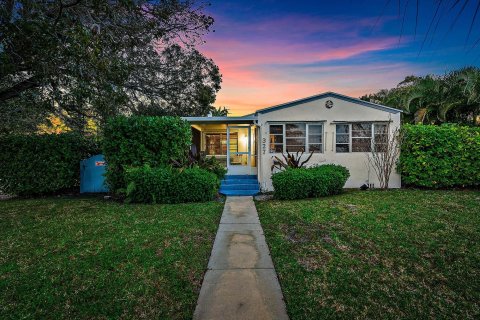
[(325, 95)]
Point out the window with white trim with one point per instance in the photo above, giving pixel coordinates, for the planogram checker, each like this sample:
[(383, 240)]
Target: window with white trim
[(361, 137), (380, 131), (276, 138), (293, 137), (342, 138), (315, 138)]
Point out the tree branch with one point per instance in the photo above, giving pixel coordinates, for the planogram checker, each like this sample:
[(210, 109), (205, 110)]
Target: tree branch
[(7, 10), (18, 88)]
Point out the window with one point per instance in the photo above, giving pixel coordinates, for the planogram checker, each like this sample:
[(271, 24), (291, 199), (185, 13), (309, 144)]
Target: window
[(293, 137), (380, 131), (363, 137), (315, 138), (342, 138), (216, 143), (276, 138)]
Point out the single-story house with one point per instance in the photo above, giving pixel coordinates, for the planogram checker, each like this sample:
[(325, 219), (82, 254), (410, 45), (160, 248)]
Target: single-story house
[(337, 128)]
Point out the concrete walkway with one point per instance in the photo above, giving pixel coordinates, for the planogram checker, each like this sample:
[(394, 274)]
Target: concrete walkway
[(240, 282)]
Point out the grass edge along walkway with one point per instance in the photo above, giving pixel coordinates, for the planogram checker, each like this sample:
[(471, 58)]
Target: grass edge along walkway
[(397, 253), (77, 258), (241, 282)]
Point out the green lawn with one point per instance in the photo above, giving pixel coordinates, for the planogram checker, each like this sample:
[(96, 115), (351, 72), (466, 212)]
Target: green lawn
[(89, 258), (378, 254)]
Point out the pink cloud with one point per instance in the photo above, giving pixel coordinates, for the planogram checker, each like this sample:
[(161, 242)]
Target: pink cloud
[(244, 97), (262, 65)]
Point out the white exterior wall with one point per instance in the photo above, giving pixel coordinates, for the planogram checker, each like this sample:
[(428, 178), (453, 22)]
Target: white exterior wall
[(312, 111)]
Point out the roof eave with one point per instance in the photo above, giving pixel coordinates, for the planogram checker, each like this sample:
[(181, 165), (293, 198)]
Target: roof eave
[(226, 120), (326, 94)]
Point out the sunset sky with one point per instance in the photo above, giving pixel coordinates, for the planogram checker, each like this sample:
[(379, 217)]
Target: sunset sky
[(271, 52)]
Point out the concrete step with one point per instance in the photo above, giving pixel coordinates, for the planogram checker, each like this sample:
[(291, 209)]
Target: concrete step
[(239, 181), (251, 186), (240, 176), (239, 192)]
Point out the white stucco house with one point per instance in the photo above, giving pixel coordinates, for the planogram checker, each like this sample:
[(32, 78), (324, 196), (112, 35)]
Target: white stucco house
[(339, 129)]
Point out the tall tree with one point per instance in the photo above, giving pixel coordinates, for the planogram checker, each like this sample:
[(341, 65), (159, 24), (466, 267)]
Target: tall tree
[(220, 111), (79, 59), (454, 97)]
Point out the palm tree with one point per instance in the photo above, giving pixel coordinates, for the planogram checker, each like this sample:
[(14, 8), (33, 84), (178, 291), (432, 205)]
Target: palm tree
[(454, 97), (427, 95), (220, 111), (469, 81)]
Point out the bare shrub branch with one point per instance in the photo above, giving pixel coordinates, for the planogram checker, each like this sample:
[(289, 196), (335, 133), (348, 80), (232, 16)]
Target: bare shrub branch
[(384, 155)]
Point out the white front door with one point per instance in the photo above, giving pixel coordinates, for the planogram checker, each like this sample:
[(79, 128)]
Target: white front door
[(238, 150)]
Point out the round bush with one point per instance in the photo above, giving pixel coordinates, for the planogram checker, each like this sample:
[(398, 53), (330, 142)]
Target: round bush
[(167, 185), (303, 183)]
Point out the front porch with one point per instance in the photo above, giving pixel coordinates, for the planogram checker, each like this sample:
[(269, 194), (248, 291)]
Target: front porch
[(231, 140)]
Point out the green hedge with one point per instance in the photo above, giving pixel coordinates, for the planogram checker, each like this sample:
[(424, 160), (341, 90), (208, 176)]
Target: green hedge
[(137, 141), (440, 156), (312, 182), (42, 164), (168, 185)]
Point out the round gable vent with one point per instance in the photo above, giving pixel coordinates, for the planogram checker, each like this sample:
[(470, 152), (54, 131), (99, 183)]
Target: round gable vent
[(329, 104)]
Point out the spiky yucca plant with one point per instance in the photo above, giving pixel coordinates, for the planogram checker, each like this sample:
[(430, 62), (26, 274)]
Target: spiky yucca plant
[(290, 160)]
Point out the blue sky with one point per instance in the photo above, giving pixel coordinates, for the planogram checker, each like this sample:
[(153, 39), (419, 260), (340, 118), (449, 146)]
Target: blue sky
[(271, 52)]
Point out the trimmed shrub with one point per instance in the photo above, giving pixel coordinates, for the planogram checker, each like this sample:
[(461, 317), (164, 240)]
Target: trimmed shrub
[(168, 185), (139, 140), (332, 179), (292, 184), (440, 156), (43, 164), (311, 182), (194, 185)]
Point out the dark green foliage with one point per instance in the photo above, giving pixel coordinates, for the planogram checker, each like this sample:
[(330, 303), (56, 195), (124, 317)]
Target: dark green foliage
[(292, 184), (170, 185), (200, 160), (303, 183), (432, 99), (440, 156), (137, 141), (100, 58), (212, 165), (149, 185), (220, 111), (194, 185), (42, 164)]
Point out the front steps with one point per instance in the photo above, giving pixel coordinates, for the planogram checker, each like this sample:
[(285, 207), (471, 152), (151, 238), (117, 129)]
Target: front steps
[(239, 185)]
